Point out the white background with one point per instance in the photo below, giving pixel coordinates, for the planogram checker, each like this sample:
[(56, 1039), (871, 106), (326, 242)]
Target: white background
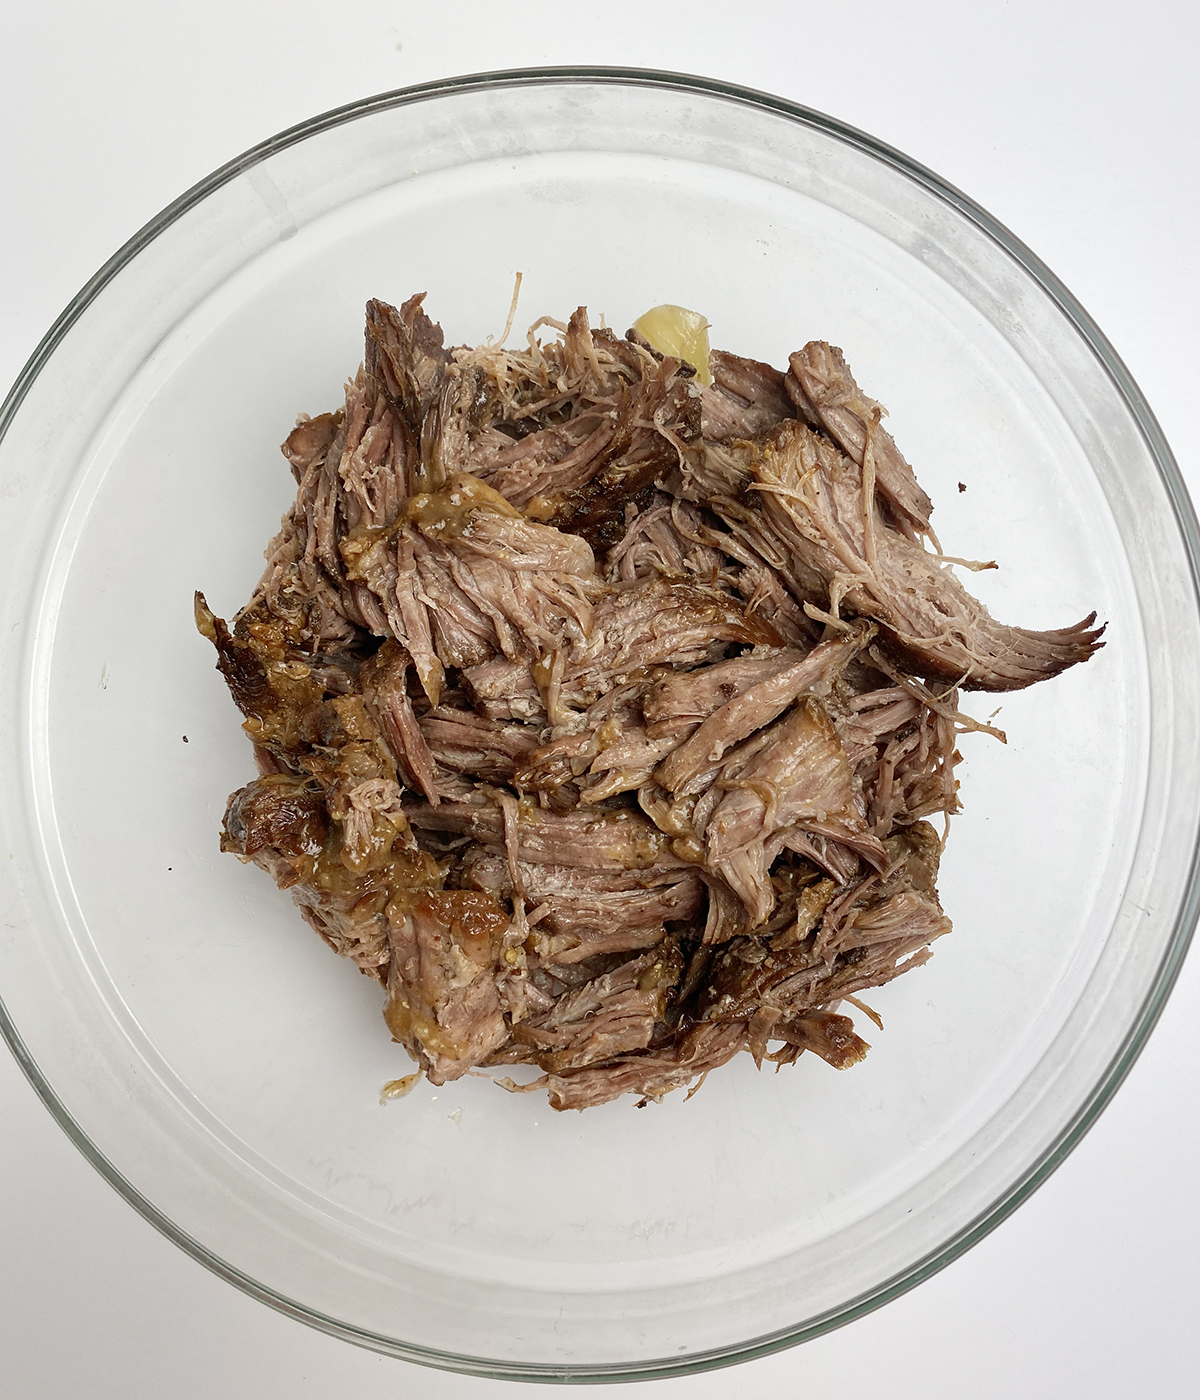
[(1077, 125)]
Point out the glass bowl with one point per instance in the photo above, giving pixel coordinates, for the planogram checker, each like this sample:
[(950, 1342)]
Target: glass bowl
[(206, 1052)]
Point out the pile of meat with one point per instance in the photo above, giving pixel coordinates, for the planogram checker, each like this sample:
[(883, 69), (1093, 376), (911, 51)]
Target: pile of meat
[(599, 711)]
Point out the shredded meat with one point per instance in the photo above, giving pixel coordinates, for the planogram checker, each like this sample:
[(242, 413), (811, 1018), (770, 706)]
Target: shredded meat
[(599, 714)]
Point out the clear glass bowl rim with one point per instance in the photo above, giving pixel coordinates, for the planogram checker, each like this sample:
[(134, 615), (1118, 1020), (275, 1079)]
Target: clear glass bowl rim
[(1073, 1131)]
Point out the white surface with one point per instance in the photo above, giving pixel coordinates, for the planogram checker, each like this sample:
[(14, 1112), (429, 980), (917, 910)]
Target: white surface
[(1076, 125)]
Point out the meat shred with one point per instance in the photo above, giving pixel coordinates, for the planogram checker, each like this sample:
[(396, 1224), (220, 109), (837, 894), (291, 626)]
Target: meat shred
[(599, 715)]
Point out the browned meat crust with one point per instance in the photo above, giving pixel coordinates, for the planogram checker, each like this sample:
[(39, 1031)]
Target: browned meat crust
[(596, 712)]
